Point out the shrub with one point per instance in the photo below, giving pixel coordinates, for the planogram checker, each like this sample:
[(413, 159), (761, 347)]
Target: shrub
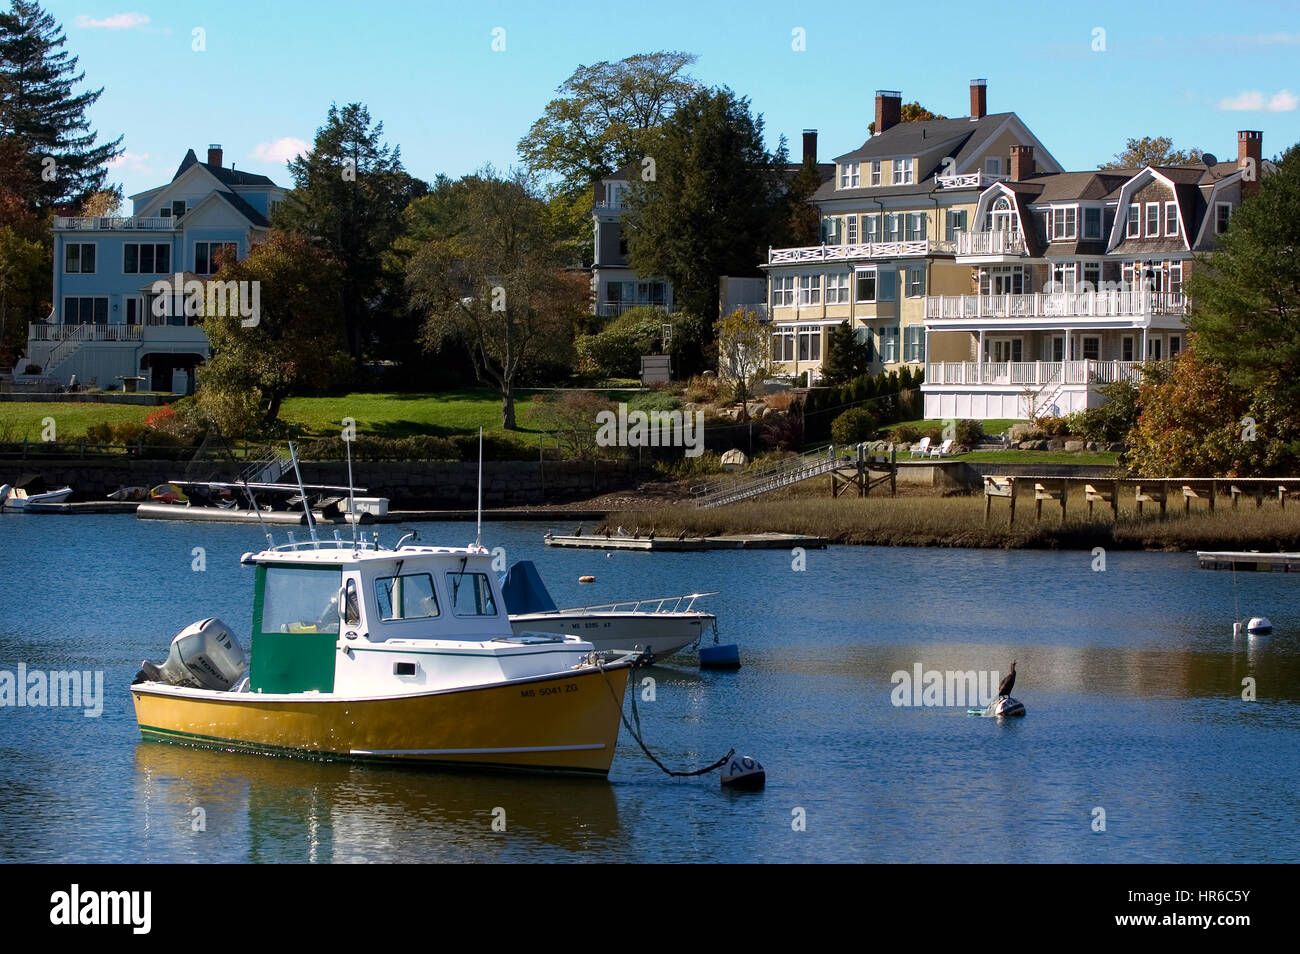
[(935, 434), (853, 426), (905, 434), (701, 389), (101, 433), (783, 430), (1056, 427), (128, 432), (420, 447), (969, 432), (779, 400)]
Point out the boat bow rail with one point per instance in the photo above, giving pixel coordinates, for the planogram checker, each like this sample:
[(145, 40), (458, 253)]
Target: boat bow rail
[(666, 604)]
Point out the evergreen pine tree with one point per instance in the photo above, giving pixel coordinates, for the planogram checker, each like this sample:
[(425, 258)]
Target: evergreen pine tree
[(41, 112)]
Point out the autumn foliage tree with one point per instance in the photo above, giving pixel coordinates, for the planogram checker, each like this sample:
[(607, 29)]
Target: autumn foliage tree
[(296, 344)]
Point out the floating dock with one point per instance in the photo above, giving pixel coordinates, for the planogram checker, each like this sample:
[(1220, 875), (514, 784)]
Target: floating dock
[(737, 541), (1248, 560), (155, 511), (83, 506)]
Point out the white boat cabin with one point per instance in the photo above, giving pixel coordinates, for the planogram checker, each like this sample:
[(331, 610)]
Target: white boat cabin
[(355, 620)]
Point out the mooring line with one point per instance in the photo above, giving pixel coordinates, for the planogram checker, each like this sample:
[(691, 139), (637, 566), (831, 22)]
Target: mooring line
[(635, 733)]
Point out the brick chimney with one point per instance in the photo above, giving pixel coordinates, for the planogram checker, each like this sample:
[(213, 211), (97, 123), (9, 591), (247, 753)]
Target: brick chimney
[(1022, 163), (809, 145), (979, 99), (214, 154), (1250, 147), (889, 109)]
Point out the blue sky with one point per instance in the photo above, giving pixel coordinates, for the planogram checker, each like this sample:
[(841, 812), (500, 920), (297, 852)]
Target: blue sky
[(1196, 72)]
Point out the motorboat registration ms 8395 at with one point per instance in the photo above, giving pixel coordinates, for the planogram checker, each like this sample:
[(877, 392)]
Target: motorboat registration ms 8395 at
[(403, 655)]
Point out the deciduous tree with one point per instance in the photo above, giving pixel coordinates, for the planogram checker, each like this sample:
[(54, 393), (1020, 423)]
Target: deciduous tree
[(1148, 151)]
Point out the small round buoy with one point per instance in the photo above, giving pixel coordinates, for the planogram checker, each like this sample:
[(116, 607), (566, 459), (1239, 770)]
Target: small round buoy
[(744, 774), (1259, 626), (586, 579)]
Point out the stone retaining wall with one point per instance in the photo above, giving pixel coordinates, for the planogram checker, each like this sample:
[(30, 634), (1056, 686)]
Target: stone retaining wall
[(428, 484)]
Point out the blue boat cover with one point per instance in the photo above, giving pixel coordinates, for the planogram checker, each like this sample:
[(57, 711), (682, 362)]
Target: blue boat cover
[(524, 590)]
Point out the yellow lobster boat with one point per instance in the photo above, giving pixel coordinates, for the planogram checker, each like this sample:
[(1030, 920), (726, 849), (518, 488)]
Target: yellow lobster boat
[(403, 655)]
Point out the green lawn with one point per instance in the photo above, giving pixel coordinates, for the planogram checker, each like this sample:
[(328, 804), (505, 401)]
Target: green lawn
[(1090, 458), (24, 419), (992, 426), (445, 414)]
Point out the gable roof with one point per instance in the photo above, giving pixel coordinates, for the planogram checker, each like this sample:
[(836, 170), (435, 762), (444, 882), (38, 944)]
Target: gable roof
[(225, 176)]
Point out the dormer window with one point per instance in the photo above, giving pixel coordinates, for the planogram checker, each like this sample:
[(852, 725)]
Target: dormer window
[(902, 172), (993, 166), (1222, 215), (1092, 223), (1002, 218), (850, 175), (178, 208), (1064, 223), (875, 172), (1171, 218)]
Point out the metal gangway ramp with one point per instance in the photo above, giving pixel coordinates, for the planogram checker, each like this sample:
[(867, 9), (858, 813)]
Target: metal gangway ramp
[(789, 471)]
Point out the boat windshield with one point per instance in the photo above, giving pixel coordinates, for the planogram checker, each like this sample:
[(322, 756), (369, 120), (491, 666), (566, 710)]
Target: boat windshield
[(301, 600), (406, 597), (471, 594)]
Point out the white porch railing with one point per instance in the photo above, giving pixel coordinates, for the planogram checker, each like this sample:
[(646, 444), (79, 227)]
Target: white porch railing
[(40, 331), (990, 243), (1094, 304), (841, 253), (1030, 373), (99, 223), (976, 180)]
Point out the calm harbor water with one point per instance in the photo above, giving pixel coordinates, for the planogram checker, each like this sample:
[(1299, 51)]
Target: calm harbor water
[(1131, 677)]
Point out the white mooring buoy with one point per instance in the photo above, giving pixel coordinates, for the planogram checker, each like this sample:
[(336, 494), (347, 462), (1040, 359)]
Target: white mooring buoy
[(744, 774)]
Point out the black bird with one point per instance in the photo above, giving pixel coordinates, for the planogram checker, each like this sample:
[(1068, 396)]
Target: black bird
[(682, 535), (607, 533), (578, 532), (636, 534), (652, 534), (1004, 688)]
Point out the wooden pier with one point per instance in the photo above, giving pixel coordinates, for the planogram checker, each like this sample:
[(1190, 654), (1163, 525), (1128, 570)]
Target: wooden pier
[(1203, 493), (1248, 560), (737, 541)]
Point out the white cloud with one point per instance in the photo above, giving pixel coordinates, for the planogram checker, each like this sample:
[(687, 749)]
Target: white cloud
[(135, 161), (118, 21), (1283, 101), (281, 150)]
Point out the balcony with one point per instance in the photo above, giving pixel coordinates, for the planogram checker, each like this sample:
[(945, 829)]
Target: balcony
[(990, 243), (843, 253), (41, 331), (1029, 374), (973, 180), (611, 309), (1115, 304), (107, 223)]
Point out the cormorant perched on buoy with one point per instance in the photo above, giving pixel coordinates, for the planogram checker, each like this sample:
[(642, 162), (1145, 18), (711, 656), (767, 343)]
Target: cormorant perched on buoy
[(578, 532), (1004, 687)]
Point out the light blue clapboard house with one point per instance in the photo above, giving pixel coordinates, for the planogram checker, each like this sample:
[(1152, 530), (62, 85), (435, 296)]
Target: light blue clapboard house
[(104, 327)]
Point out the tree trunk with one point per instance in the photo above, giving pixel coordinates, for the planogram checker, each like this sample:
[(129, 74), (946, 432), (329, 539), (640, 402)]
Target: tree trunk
[(273, 411), (508, 410)]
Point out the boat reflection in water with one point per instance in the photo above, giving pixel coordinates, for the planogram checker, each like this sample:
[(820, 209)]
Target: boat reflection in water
[(204, 805)]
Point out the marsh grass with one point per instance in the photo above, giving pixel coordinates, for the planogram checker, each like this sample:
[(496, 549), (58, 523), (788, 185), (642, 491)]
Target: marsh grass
[(959, 522)]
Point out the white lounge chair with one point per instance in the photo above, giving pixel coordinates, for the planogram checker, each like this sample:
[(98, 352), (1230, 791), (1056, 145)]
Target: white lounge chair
[(922, 449), (943, 450)]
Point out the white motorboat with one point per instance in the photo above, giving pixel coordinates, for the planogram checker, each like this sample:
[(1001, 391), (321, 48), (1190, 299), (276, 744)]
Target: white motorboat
[(18, 498), (657, 627)]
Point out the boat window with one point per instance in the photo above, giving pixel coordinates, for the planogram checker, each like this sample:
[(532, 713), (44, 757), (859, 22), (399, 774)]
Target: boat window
[(471, 594), (298, 600), (406, 597)]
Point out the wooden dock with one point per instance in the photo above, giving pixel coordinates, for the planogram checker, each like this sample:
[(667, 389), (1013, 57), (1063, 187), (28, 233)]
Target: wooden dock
[(83, 506), (1248, 560), (737, 541)]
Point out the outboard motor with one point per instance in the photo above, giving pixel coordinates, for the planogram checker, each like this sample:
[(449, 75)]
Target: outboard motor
[(203, 655)]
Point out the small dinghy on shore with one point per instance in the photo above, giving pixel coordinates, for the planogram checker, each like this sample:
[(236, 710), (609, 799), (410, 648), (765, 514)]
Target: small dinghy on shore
[(30, 490)]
